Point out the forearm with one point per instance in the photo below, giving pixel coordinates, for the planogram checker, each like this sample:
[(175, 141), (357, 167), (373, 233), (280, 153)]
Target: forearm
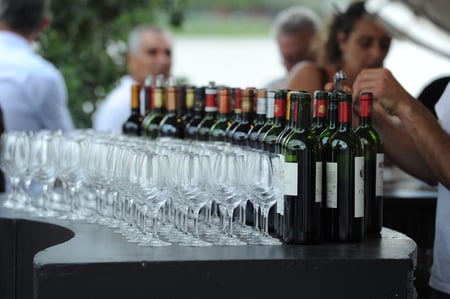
[(399, 146), (430, 140)]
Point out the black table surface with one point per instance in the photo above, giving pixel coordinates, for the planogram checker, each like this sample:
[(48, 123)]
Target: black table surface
[(80, 260)]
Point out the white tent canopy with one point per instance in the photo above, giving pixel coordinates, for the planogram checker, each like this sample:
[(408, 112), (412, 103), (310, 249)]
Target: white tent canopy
[(425, 22)]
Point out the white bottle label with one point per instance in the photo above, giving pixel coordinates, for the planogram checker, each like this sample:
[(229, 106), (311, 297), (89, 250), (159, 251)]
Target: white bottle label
[(290, 178), (280, 199), (359, 187), (331, 175), (379, 176), (319, 181)]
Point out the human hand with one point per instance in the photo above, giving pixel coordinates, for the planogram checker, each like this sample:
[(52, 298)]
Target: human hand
[(387, 91)]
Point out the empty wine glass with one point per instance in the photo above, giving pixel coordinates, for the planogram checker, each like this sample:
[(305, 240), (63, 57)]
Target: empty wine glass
[(14, 162), (227, 180), (43, 166), (265, 186)]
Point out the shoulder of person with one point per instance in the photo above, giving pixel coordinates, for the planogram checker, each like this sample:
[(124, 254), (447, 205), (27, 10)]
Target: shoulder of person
[(306, 67)]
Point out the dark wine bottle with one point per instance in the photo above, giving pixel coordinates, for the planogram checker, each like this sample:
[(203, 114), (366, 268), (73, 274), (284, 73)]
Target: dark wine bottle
[(240, 133), (290, 108), (150, 124), (373, 166), (303, 178), (270, 115), (219, 128), (236, 100), (210, 113), (132, 126), (279, 122), (345, 178), (320, 111), (172, 124), (148, 94), (190, 102), (261, 107), (190, 131), (332, 125)]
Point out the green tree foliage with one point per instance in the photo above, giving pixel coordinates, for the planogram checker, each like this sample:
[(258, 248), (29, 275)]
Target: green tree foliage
[(87, 42)]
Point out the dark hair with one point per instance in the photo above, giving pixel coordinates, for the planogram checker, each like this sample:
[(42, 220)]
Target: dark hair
[(341, 22), (23, 16)]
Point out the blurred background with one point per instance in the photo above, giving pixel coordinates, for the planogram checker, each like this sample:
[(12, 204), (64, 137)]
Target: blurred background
[(226, 41)]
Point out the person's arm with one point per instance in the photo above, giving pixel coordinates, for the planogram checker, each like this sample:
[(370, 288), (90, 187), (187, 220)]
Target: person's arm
[(422, 149), (305, 76)]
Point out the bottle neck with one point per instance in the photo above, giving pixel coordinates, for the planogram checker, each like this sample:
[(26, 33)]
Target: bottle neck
[(332, 114), (320, 112), (365, 114), (345, 115), (171, 101), (303, 116), (157, 100), (148, 94), (135, 100), (292, 114)]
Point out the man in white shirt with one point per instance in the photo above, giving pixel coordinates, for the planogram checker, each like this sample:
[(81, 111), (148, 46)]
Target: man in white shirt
[(33, 92), (421, 148), (149, 53)]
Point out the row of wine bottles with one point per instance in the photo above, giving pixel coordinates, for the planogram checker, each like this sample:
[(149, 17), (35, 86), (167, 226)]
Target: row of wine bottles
[(332, 172)]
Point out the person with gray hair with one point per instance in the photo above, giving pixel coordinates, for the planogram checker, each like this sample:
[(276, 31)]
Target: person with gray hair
[(149, 53), (296, 31), (33, 92)]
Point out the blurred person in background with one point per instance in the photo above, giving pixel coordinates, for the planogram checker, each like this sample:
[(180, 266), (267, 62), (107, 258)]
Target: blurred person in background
[(296, 32), (354, 42), (33, 93), (149, 53)]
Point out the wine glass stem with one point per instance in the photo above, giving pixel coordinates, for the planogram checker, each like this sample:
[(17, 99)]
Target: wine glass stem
[(230, 223), (256, 217), (45, 197)]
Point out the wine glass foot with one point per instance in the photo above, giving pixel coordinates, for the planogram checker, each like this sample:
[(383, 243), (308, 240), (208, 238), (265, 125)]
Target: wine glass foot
[(151, 241)]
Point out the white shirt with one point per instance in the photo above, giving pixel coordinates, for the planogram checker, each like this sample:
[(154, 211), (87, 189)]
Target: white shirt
[(33, 94), (115, 109), (440, 272)]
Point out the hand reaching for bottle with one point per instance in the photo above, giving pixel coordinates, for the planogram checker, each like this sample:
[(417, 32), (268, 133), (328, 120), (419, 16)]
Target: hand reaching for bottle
[(386, 90)]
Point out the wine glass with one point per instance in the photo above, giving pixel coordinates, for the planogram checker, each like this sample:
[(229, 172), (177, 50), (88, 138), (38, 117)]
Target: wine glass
[(43, 167), (14, 162), (265, 187), (227, 179)]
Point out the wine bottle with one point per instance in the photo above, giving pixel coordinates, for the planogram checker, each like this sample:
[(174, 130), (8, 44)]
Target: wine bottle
[(148, 94), (210, 113), (345, 178), (240, 133), (150, 124), (190, 102), (279, 122), (373, 166), (132, 126), (236, 98), (320, 111), (219, 128), (172, 124), (270, 115), (260, 119), (190, 132), (332, 125), (289, 124), (303, 178)]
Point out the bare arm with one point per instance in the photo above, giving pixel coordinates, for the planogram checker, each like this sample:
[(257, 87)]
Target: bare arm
[(422, 147)]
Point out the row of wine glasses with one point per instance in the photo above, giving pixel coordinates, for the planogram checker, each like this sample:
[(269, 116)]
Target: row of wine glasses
[(155, 193)]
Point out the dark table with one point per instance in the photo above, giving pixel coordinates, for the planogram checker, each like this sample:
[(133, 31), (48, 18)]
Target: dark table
[(410, 208), (50, 258)]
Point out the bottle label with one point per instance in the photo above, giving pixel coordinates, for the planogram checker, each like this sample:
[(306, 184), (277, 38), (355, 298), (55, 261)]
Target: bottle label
[(280, 108), (290, 178), (321, 108), (379, 176), (280, 199), (331, 175), (319, 181), (261, 106), (359, 187)]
